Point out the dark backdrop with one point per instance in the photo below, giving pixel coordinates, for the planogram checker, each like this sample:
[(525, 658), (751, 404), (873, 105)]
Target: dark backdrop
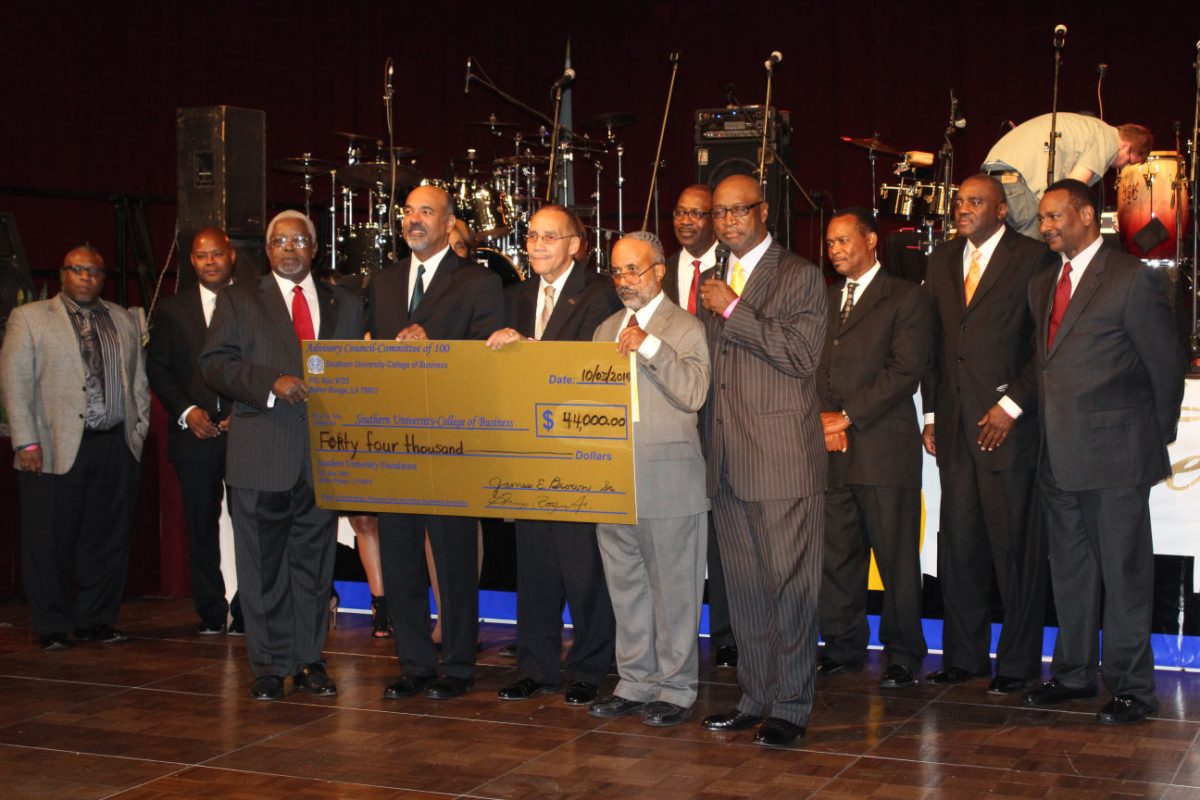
[(90, 89)]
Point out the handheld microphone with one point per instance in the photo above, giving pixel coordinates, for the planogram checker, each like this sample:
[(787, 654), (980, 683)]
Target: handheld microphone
[(567, 77), (467, 82), (1060, 36), (722, 261), (773, 59)]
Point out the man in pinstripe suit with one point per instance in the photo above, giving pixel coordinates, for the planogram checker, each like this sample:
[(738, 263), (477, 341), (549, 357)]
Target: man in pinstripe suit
[(766, 461)]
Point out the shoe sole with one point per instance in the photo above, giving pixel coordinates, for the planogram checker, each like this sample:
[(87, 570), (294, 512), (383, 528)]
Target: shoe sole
[(530, 696), (604, 715)]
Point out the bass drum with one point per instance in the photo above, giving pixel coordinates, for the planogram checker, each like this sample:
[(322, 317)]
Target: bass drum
[(1145, 194), (364, 248), (500, 264)]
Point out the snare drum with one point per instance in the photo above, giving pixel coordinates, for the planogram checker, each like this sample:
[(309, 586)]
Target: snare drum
[(1145, 193)]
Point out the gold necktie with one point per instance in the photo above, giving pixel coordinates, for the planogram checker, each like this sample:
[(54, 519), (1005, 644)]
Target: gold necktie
[(737, 281), (972, 281), (547, 310)]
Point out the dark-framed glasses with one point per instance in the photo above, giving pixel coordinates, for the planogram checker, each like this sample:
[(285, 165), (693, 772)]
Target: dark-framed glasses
[(694, 214), (738, 212), (85, 269)]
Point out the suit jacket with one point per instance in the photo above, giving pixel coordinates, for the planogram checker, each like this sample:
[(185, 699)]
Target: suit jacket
[(870, 368), (250, 343), (985, 351), (670, 285), (463, 301), (42, 375), (762, 424), (672, 386), (587, 298), (1111, 387), (173, 367)]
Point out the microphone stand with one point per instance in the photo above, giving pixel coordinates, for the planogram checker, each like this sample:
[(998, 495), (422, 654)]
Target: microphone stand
[(1052, 146), (947, 156), (651, 197), (762, 150), (391, 208), (558, 91)]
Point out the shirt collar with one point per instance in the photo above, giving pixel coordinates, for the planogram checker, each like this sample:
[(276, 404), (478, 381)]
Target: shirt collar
[(558, 284), (433, 262), (287, 284), (1084, 257), (751, 259), (707, 258), (864, 280), (646, 312), (985, 250)]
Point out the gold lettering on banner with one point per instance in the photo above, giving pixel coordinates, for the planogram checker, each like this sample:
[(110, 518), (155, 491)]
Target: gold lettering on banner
[(1181, 468)]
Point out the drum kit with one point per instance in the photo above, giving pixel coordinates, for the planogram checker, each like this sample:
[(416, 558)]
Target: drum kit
[(368, 187)]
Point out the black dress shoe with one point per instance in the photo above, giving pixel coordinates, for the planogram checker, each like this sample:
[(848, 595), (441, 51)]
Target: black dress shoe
[(827, 666), (1052, 693), (1124, 709), (267, 687), (210, 629), (612, 706), (447, 686), (408, 686), (581, 693), (948, 676), (105, 634), (777, 732), (661, 714), (730, 721), (525, 688), (897, 677), (54, 641), (237, 627), (312, 679), (727, 655), (1003, 685)]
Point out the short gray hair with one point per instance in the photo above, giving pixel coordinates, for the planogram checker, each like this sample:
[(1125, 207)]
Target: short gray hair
[(290, 214), (656, 249)]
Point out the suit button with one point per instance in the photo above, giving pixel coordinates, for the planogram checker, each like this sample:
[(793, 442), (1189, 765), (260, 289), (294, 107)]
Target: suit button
[(835, 342), (961, 359), (722, 386), (720, 421), (302, 417), (81, 416), (964, 328)]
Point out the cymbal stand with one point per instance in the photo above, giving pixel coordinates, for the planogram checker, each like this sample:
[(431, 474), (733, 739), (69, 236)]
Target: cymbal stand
[(599, 252), (620, 188), (1052, 144), (947, 158), (653, 196), (333, 218)]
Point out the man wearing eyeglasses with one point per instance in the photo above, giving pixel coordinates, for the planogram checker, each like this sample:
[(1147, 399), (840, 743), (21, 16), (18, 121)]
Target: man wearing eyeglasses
[(433, 294), (766, 461), (558, 561), (655, 569), (284, 543), (73, 379)]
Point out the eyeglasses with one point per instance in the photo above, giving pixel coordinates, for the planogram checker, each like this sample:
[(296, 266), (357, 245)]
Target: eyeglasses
[(85, 269), (298, 241), (628, 274), (694, 214), (738, 212), (549, 238)]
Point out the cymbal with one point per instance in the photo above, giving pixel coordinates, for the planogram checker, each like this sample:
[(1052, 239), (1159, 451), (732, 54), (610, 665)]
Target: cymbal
[(872, 143), (524, 160), (492, 122), (611, 119), (303, 165), (369, 174), (354, 137)]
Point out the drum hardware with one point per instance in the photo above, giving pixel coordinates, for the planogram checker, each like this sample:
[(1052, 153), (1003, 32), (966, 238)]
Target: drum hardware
[(377, 175), (873, 144), (652, 197), (493, 123), (308, 168)]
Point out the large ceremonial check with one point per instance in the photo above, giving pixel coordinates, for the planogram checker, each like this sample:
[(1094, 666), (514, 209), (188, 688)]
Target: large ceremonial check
[(537, 430)]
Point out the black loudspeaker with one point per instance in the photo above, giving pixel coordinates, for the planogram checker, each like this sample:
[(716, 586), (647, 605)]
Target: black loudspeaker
[(728, 142), (221, 168), (16, 282)]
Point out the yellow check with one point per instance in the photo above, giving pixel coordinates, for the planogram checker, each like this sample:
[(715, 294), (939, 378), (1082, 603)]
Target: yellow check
[(538, 430)]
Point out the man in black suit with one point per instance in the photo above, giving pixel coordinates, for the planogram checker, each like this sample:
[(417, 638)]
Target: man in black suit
[(200, 417), (877, 347), (1110, 383), (434, 294), (558, 561), (692, 221), (980, 404), (284, 543)]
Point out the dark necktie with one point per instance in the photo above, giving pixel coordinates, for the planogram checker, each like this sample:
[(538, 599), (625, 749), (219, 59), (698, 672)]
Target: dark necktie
[(93, 357), (691, 305), (301, 316), (848, 306), (418, 290), (1062, 297)]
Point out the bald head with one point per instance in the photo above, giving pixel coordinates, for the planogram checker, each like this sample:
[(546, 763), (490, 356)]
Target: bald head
[(739, 213), (83, 275)]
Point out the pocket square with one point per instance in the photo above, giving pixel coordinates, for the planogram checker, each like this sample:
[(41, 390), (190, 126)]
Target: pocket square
[(1002, 387)]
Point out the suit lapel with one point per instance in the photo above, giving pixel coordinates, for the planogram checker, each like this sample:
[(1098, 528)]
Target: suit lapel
[(438, 287), (758, 285), (329, 311), (564, 305), (1089, 284), (527, 306), (997, 264), (277, 311), (875, 291)]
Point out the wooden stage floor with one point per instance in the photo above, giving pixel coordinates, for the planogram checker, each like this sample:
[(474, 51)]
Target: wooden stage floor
[(167, 715)]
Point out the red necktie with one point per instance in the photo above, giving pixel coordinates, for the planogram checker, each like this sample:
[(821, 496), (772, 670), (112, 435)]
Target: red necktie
[(632, 321), (695, 287), (1062, 297), (301, 317)]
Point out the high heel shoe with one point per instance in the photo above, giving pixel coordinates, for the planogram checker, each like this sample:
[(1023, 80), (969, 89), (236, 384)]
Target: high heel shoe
[(381, 621), (334, 601)]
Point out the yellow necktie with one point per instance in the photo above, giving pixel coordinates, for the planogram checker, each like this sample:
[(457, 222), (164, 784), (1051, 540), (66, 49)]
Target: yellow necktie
[(972, 281), (737, 281)]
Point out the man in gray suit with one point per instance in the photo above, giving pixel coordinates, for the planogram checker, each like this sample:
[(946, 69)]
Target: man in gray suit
[(284, 543), (766, 461), (1110, 383), (77, 451), (655, 569)]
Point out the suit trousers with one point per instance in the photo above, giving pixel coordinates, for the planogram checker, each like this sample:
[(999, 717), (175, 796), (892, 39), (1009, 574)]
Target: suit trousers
[(285, 547), (772, 556), (75, 531), (655, 575), (557, 562), (859, 519), (990, 522), (720, 631), (455, 545), (1101, 546), (202, 484)]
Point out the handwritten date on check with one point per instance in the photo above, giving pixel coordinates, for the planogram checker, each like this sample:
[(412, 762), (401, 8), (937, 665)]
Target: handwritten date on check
[(537, 430)]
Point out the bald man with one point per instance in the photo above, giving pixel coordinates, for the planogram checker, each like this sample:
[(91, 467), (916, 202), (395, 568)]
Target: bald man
[(77, 452), (196, 440)]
